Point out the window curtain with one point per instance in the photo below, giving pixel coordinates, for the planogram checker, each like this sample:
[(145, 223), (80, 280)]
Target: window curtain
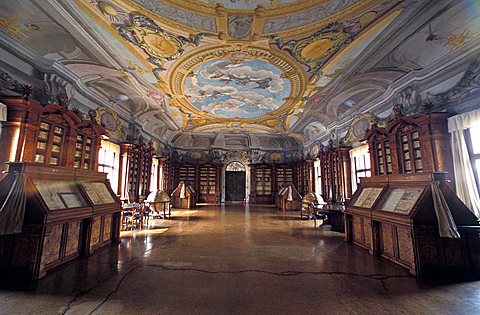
[(154, 175), (464, 177)]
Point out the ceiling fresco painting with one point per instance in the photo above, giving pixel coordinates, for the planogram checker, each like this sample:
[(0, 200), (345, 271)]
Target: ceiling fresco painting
[(176, 14), (232, 66), (234, 86), (23, 21), (237, 89), (317, 49), (339, 63), (319, 12), (237, 83), (249, 4)]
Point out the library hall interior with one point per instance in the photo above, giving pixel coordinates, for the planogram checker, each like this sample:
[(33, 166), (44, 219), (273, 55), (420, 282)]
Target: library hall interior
[(239, 157)]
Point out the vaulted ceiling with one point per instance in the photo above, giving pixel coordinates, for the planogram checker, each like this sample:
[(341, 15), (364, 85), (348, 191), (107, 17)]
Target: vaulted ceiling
[(261, 69)]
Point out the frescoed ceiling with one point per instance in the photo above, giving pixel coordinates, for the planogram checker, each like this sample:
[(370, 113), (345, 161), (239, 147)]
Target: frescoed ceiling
[(249, 64), (272, 67)]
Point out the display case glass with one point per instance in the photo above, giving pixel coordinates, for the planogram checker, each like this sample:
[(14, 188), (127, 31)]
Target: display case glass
[(367, 197), (410, 153), (263, 178), (59, 194), (401, 200), (83, 152), (49, 146), (98, 193)]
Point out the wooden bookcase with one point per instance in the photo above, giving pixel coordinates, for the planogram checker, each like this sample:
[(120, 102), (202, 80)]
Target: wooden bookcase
[(284, 175), (336, 174), (49, 134), (203, 178), (261, 184), (411, 145), (266, 180), (137, 158), (392, 213), (300, 177), (209, 183), (50, 139), (187, 173)]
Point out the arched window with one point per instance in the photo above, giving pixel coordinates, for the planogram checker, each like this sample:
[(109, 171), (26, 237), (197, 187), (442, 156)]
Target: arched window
[(235, 167)]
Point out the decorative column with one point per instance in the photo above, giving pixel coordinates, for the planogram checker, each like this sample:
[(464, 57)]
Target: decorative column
[(310, 171), (16, 130), (253, 186), (274, 183), (125, 149), (344, 154), (218, 181)]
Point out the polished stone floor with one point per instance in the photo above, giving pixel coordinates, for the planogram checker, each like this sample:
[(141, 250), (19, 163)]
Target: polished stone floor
[(235, 260)]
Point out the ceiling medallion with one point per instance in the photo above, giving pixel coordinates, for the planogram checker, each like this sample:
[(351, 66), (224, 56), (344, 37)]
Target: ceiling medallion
[(359, 127), (110, 121), (237, 83), (316, 49), (160, 45)]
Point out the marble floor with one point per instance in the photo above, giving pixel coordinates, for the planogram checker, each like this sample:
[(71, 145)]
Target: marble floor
[(235, 260)]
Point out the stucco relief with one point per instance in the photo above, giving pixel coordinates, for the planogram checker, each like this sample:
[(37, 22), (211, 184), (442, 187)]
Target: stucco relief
[(190, 19), (307, 17)]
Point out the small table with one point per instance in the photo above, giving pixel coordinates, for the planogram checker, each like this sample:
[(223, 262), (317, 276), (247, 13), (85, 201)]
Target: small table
[(333, 213)]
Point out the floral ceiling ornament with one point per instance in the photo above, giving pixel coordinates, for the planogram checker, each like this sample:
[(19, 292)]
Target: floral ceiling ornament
[(161, 46), (315, 50)]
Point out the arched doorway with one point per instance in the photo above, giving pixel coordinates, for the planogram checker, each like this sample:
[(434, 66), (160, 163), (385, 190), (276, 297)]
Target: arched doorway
[(235, 181)]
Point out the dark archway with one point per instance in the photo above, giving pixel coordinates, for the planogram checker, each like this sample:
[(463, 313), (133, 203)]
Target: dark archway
[(235, 182)]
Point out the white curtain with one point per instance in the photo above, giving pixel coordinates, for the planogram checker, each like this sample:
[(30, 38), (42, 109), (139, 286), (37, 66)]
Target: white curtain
[(290, 195), (464, 177), (446, 223), (182, 191)]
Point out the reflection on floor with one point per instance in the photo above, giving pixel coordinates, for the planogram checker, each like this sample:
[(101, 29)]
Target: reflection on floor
[(222, 260)]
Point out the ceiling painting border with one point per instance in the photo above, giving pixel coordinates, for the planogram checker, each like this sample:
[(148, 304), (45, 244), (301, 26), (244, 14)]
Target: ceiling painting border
[(185, 65)]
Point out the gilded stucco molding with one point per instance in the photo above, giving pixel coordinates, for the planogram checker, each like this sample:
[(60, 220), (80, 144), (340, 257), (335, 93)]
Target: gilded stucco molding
[(188, 63)]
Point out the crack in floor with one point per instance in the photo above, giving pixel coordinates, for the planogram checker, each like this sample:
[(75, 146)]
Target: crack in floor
[(107, 297), (86, 291), (384, 285), (288, 273)]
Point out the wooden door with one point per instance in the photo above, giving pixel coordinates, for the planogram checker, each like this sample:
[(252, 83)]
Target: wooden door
[(234, 186)]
